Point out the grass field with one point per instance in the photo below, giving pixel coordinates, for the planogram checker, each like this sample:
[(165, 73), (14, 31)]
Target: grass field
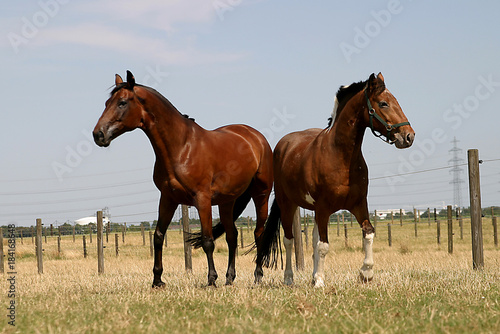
[(418, 287)]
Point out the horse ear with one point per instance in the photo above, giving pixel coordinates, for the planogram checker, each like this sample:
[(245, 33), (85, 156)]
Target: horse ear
[(130, 78), (376, 84), (118, 79)]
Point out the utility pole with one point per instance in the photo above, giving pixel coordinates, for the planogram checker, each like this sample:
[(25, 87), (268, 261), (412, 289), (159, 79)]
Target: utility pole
[(456, 171)]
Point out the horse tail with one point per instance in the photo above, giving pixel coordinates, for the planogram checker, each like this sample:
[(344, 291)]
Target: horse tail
[(195, 239), (267, 253)]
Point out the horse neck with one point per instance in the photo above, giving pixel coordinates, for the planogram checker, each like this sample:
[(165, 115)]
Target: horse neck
[(167, 130), (347, 132)]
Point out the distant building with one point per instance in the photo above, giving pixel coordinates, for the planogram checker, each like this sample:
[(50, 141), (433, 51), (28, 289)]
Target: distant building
[(91, 220), (382, 214)]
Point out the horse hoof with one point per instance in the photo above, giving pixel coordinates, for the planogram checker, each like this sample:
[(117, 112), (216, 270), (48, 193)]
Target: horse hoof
[(229, 282), (158, 285), (365, 276), (318, 283)]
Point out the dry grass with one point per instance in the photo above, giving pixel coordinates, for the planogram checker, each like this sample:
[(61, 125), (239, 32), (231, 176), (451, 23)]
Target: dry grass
[(418, 287)]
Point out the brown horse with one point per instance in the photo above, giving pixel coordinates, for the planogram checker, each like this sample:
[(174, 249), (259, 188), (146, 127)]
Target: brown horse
[(324, 170), (224, 167)]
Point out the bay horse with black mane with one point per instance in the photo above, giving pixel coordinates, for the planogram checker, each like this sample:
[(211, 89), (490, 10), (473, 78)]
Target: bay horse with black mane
[(226, 167), (324, 170)]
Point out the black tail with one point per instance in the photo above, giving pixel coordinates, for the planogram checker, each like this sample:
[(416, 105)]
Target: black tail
[(267, 253), (218, 230)]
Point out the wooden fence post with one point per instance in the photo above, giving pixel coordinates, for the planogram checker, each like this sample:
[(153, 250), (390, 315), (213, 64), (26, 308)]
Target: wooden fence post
[(39, 250), (415, 219), (2, 267), (100, 246), (429, 216), (389, 234), (116, 244), (90, 233), (143, 235), (84, 247), (345, 236), (338, 225), (73, 233), (495, 231), (241, 237), (124, 228), (297, 238), (107, 232), (59, 245), (438, 231), (401, 217), (450, 230), (151, 246), (306, 233), (475, 209), (461, 225)]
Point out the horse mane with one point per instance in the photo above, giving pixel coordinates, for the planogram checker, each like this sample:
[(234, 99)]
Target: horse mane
[(343, 95), (129, 86)]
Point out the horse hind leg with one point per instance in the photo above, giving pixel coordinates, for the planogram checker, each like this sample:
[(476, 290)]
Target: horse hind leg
[(226, 212), (287, 222), (320, 250), (288, 276), (205, 212), (261, 206)]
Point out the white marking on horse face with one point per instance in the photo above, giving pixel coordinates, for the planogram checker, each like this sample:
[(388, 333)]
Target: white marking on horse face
[(309, 199)]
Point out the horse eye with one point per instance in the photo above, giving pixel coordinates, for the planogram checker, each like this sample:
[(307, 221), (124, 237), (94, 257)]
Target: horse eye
[(383, 104), (122, 103)]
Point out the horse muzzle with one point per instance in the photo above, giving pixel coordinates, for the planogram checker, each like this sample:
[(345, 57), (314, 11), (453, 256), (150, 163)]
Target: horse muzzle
[(100, 139), (404, 139)]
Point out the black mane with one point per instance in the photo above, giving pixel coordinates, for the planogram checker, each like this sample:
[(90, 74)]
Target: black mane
[(127, 85), (345, 93)]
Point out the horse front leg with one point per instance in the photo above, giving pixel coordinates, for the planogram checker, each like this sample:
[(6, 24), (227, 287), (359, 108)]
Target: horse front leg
[(166, 211), (362, 216), (205, 212)]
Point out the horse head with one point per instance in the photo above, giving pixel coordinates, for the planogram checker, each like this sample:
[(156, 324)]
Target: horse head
[(124, 112), (385, 115)]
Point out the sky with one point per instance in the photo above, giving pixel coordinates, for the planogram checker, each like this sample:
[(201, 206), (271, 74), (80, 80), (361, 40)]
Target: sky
[(274, 65)]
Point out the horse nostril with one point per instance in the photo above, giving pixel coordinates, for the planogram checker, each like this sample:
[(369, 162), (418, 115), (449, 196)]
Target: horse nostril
[(409, 138), (98, 136)]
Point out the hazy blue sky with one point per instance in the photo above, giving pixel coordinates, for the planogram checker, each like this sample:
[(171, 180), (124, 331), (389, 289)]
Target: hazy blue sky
[(274, 65)]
